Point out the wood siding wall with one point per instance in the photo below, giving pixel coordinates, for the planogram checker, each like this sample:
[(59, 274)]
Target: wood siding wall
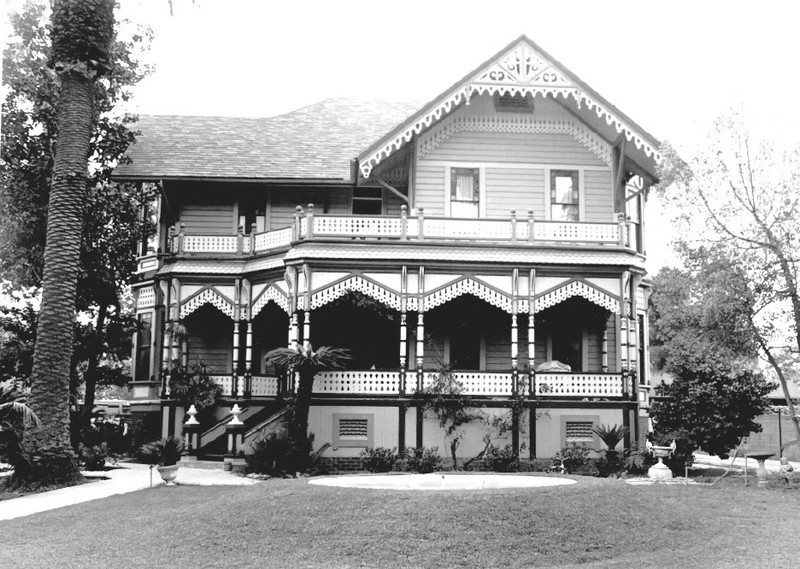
[(514, 148), (522, 185), (212, 217)]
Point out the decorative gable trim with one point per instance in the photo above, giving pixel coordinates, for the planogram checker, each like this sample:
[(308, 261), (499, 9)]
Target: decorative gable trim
[(207, 296), (516, 123), (568, 290), (522, 69)]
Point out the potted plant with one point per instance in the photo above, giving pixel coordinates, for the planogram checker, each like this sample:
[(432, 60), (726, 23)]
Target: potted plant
[(165, 454)]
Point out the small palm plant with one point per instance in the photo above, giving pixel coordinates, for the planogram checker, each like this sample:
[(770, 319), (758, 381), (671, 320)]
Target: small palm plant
[(306, 362), (166, 452), (611, 437)]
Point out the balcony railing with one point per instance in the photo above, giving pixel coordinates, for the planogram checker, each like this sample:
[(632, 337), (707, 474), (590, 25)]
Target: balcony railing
[(577, 385), (479, 383), (308, 225)]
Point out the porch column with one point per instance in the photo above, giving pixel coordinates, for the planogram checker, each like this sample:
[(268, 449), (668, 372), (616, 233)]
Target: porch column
[(307, 295), (623, 334), (604, 352), (420, 351), (166, 344), (235, 388), (514, 334), (248, 359), (531, 330), (403, 343)]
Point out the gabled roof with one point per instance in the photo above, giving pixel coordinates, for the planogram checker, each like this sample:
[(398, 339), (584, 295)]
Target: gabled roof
[(522, 67), (315, 142)]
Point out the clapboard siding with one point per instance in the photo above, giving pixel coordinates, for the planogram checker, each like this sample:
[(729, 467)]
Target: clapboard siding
[(599, 196), (210, 339), (429, 192), (513, 147), (215, 218), (284, 202), (498, 350), (520, 189), (594, 351)]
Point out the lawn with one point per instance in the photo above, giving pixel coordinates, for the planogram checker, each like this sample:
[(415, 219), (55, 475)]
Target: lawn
[(288, 524)]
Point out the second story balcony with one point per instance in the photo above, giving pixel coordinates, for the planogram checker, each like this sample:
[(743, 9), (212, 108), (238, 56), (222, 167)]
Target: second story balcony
[(308, 225)]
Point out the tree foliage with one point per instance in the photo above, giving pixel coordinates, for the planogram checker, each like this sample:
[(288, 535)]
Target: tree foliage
[(701, 335), (740, 200)]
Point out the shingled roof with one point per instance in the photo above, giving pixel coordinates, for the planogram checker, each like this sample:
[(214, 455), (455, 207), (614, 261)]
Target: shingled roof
[(315, 142)]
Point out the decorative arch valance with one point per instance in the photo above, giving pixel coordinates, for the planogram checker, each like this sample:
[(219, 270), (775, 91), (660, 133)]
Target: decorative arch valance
[(271, 293), (568, 290), (468, 286), (517, 124), (356, 283), (207, 296)]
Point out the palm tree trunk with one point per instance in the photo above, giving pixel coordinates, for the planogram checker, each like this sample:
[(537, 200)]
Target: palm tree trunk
[(298, 427), (50, 456)]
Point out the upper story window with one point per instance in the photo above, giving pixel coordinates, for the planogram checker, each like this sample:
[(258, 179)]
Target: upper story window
[(465, 192), (367, 201), (564, 195)]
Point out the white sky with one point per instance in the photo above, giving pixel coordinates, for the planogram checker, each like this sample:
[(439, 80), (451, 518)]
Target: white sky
[(671, 66)]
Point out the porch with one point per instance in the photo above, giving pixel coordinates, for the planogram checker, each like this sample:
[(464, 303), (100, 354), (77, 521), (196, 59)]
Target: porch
[(309, 225)]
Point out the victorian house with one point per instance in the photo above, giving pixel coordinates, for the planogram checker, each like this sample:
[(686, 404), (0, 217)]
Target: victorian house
[(496, 231)]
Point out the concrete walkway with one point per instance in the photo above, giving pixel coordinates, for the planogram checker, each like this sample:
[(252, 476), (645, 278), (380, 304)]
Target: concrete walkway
[(772, 465), (130, 477)]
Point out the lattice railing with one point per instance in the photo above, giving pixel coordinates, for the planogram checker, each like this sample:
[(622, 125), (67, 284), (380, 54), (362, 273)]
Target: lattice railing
[(575, 231), (273, 239), (372, 382), (225, 383), (577, 385), (510, 230), (351, 226), (477, 382), (263, 386), (210, 243)]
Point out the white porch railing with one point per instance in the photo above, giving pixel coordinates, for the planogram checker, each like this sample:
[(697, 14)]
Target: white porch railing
[(370, 382), (477, 382), (225, 383), (404, 228), (263, 386), (577, 385)]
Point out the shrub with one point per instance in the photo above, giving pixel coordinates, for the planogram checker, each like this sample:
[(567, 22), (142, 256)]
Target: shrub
[(501, 459), (422, 460), (165, 452), (275, 454), (94, 457), (378, 459), (575, 459), (108, 432)]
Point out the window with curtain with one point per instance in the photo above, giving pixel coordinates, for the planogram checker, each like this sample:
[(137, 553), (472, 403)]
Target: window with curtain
[(464, 192), (564, 196)]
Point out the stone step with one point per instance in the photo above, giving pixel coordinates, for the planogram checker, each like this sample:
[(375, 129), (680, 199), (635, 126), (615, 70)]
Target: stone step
[(191, 462)]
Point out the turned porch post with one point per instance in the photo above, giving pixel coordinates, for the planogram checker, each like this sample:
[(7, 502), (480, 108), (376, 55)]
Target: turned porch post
[(235, 387), (531, 331), (420, 351)]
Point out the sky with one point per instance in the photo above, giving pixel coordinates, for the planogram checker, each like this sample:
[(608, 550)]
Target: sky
[(673, 67)]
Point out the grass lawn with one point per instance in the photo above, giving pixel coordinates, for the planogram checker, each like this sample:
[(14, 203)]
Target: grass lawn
[(289, 523)]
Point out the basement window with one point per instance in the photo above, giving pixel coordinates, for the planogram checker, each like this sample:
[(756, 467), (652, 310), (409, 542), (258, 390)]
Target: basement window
[(352, 430), (579, 432)]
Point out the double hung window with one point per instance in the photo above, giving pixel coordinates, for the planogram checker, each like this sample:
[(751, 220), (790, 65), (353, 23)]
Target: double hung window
[(564, 195), (465, 192)]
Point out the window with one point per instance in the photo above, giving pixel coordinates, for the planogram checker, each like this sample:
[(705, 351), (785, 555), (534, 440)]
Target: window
[(352, 430), (143, 339), (564, 192), (465, 348), (367, 201), (567, 345), (465, 192)]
